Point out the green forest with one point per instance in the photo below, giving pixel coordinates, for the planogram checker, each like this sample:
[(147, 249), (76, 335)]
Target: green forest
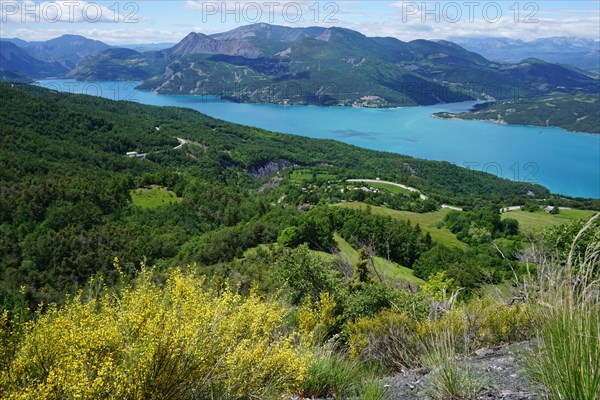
[(579, 113), (241, 263)]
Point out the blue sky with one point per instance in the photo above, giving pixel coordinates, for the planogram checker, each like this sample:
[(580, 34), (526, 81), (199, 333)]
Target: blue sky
[(120, 22)]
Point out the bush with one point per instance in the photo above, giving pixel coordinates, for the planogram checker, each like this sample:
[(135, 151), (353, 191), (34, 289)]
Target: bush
[(390, 338), (317, 320), (305, 274), (177, 340), (290, 237), (459, 265), (439, 286), (397, 340), (482, 323)]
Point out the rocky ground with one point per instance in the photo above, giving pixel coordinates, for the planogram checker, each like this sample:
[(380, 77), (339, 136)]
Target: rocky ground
[(498, 372)]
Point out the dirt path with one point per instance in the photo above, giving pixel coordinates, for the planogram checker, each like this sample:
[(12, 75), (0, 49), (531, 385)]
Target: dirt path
[(182, 142)]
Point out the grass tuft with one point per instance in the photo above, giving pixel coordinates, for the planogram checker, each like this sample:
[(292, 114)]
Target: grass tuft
[(567, 362), (334, 374), (452, 377)]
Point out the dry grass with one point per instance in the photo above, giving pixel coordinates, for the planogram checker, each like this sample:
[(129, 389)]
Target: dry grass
[(567, 363)]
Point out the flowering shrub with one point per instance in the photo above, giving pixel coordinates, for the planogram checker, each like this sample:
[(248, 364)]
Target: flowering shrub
[(173, 340), (317, 320)]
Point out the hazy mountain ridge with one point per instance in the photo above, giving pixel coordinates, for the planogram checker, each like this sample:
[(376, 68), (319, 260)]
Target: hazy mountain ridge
[(67, 49), (578, 52), (21, 60), (145, 47), (17, 64)]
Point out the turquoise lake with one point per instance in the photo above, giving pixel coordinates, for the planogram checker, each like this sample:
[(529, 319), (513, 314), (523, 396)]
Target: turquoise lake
[(565, 162)]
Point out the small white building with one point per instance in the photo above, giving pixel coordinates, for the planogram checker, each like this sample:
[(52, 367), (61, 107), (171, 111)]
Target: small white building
[(135, 154)]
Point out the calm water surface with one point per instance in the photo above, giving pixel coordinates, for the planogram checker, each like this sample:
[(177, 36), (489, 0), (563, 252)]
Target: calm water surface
[(565, 162)]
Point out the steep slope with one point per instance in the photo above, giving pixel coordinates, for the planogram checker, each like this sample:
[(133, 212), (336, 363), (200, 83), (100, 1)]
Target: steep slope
[(541, 72), (16, 62), (116, 127), (12, 76), (197, 43)]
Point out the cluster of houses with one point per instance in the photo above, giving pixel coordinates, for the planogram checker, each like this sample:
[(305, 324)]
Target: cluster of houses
[(546, 209), (363, 188)]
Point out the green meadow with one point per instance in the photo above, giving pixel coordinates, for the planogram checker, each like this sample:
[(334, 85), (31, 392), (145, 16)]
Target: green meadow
[(153, 197), (427, 221), (538, 221)]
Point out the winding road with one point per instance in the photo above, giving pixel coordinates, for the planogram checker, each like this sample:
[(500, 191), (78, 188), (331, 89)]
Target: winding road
[(410, 189)]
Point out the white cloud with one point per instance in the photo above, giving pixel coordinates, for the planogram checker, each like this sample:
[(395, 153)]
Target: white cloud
[(289, 13), (439, 20), (373, 18), (66, 11)]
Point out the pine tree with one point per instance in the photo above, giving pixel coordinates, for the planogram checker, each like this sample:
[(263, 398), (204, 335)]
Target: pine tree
[(361, 269)]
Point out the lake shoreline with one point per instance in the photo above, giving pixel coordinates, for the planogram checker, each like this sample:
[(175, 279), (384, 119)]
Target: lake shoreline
[(456, 117), (562, 161)]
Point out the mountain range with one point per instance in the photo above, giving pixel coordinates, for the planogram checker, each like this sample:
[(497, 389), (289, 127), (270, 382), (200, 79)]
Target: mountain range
[(577, 52), (315, 65), (18, 65), (66, 50)]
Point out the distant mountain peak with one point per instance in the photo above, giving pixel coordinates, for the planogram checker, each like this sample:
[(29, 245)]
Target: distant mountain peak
[(343, 34), (195, 36), (276, 33), (199, 43), (16, 60), (575, 51), (72, 36)]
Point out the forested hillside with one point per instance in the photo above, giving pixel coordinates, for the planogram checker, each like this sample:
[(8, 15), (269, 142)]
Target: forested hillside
[(66, 206), (574, 113), (223, 261)]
